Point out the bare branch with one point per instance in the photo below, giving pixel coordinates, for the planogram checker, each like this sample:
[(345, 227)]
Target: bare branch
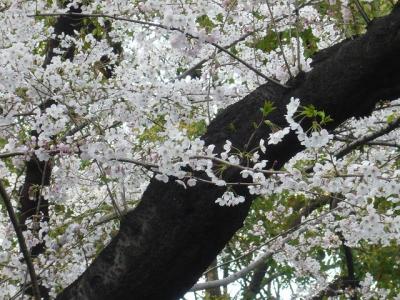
[(362, 12), (21, 241), (203, 61), (363, 140), (112, 216), (12, 154), (279, 39), (243, 272)]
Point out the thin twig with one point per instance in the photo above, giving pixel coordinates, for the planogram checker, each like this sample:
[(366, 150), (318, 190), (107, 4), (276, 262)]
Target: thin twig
[(216, 159), (146, 165), (298, 35), (357, 143), (113, 200), (21, 241), (362, 12), (279, 39), (372, 143), (110, 217), (203, 61)]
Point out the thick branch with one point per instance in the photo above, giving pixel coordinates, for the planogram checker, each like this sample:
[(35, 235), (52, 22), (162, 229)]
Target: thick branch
[(261, 261), (257, 282)]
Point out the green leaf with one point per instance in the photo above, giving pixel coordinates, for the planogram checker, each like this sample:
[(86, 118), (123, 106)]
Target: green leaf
[(205, 22), (267, 43), (309, 42), (390, 118), (309, 111), (267, 108)]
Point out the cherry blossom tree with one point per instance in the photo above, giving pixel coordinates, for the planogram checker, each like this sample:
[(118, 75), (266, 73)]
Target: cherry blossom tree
[(138, 137)]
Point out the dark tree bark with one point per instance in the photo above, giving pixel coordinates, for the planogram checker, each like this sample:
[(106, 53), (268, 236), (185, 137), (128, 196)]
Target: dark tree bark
[(174, 234), (257, 282)]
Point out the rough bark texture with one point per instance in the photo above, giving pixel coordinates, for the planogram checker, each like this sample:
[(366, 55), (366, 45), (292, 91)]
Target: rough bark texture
[(166, 243)]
